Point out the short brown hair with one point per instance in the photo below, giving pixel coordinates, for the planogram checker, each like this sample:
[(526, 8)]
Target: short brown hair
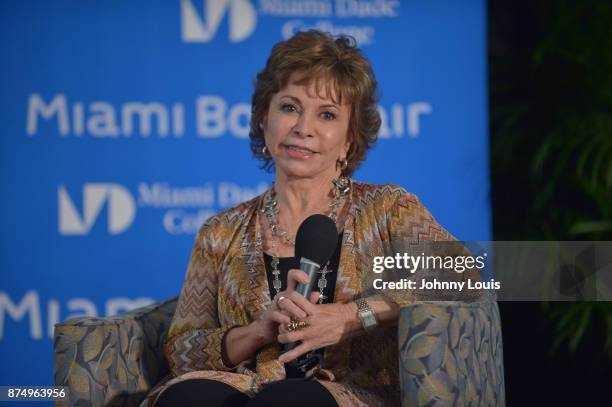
[(337, 62)]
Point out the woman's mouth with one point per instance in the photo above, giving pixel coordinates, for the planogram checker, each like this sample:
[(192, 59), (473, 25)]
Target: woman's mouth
[(299, 152)]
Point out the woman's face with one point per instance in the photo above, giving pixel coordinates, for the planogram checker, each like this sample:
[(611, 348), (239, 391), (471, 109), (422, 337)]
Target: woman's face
[(306, 133)]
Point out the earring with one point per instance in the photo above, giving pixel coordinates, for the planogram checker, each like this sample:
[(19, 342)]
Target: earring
[(264, 151), (343, 164)]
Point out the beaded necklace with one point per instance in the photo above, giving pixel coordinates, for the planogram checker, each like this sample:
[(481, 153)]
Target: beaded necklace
[(270, 209)]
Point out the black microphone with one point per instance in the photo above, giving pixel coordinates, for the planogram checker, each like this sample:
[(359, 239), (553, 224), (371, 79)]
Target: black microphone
[(315, 242)]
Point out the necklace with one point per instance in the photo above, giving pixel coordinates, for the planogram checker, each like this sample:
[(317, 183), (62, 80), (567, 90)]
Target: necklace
[(270, 209)]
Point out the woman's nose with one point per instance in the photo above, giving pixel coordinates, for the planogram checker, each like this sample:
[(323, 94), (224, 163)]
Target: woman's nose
[(303, 126)]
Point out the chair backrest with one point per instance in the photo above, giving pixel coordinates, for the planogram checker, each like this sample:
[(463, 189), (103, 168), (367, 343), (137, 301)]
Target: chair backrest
[(451, 352)]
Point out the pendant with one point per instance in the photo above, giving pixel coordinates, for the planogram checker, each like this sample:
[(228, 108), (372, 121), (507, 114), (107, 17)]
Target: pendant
[(277, 285)]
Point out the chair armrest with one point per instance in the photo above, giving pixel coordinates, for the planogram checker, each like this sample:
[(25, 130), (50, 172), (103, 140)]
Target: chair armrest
[(451, 351), (112, 361)]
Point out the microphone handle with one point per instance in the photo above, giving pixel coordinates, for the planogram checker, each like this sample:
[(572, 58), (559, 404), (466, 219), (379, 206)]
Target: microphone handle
[(310, 268)]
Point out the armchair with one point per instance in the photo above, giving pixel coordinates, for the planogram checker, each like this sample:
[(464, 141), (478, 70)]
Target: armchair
[(450, 355)]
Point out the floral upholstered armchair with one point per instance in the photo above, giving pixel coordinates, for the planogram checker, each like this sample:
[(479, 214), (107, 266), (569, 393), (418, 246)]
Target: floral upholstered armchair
[(450, 355)]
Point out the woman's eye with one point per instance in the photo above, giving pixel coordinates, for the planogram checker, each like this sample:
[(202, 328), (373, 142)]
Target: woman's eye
[(328, 115), (287, 107)]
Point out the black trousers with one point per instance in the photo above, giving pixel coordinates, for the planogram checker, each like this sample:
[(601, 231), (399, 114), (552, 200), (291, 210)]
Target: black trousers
[(211, 393)]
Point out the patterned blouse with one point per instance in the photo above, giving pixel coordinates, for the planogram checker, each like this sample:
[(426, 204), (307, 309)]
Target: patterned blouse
[(226, 286)]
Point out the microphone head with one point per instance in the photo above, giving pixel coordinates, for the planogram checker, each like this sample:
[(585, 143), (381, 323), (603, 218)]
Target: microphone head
[(316, 239)]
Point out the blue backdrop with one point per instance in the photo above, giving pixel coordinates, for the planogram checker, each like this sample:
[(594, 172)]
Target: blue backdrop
[(125, 125)]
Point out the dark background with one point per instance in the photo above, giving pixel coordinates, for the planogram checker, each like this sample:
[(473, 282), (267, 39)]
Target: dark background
[(550, 104)]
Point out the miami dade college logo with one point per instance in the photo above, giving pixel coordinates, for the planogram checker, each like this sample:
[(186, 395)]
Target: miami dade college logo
[(121, 209), (242, 19)]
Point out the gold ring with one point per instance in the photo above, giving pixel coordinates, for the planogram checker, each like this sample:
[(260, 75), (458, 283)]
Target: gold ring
[(296, 325), (279, 299)]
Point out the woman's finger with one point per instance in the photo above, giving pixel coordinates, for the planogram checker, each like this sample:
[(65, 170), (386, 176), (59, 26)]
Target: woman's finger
[(299, 300), (314, 297), (278, 298), (294, 353), (294, 277), (291, 336), (288, 305), (279, 317), (276, 315)]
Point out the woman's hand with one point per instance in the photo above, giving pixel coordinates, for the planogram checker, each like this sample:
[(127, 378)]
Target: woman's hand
[(279, 313), (266, 327), (328, 325), (242, 342), (293, 303)]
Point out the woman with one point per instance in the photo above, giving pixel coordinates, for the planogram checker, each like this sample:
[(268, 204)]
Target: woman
[(314, 116)]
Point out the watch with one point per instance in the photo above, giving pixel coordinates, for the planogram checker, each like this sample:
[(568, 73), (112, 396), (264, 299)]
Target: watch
[(366, 315)]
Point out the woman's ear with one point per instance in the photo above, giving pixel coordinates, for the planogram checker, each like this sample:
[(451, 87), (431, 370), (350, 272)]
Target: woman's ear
[(265, 116), (264, 121), (347, 145)]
